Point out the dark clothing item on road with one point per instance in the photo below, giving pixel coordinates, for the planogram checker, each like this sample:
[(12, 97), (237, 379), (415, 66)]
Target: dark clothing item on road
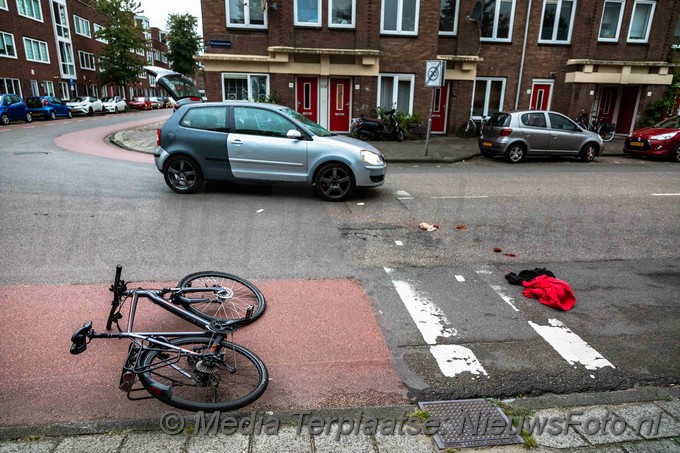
[(526, 275)]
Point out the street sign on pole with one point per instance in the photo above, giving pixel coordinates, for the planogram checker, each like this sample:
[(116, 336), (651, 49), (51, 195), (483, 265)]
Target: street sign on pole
[(435, 73)]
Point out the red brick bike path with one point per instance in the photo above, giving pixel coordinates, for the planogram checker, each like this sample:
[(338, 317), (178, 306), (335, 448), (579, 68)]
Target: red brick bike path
[(319, 339)]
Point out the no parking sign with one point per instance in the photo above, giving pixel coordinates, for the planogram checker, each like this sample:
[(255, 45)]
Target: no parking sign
[(435, 71)]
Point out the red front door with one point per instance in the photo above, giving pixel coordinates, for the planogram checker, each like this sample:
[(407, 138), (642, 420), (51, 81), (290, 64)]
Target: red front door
[(439, 105), (308, 97), (339, 105), (540, 96), (607, 104)]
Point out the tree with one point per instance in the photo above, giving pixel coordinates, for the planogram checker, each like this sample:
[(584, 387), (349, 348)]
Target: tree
[(183, 43), (119, 63)]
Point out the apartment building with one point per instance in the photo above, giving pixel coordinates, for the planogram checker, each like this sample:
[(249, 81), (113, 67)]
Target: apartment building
[(335, 59), (48, 47)]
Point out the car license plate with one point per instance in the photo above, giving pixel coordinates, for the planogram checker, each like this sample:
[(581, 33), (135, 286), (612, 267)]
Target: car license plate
[(637, 144), (487, 143)]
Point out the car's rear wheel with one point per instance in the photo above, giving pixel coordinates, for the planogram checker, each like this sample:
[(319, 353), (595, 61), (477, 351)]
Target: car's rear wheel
[(587, 153), (183, 175), (53, 116), (69, 114), (4, 119), (335, 182), (675, 154), (516, 153), (28, 118)]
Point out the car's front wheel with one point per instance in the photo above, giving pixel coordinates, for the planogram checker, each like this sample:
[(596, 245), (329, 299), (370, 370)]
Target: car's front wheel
[(183, 175), (4, 119), (516, 153), (28, 118), (69, 114), (675, 154), (587, 153), (335, 182), (53, 115)]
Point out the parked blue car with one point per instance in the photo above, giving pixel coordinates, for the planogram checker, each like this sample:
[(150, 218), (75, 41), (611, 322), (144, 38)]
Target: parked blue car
[(47, 107), (13, 108)]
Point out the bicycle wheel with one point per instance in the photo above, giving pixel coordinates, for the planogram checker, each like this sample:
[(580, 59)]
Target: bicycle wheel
[(227, 381), (606, 133), (229, 302)]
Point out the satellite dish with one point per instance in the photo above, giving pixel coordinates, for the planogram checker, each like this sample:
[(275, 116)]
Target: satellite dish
[(476, 14)]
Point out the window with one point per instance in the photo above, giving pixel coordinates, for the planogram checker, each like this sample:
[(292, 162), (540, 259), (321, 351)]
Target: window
[(341, 13), (60, 20), (497, 19), (3, 5), (395, 91), (307, 13), (676, 36), (7, 48), (558, 19), (149, 57), (30, 9), (34, 88), (561, 123), (36, 50), (643, 12), (164, 58), (100, 29), (489, 94), (246, 14), (10, 86), (152, 80), (63, 89), (208, 118), (611, 20), (48, 87), (68, 68), (533, 120), (82, 26), (448, 17), (254, 121), (399, 17), (86, 60), (245, 87)]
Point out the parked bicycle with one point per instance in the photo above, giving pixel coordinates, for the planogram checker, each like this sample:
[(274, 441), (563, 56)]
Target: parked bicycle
[(195, 371), (605, 130), (471, 128)]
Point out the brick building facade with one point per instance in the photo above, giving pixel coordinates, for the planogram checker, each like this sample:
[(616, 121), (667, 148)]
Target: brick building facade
[(335, 59), (48, 47)]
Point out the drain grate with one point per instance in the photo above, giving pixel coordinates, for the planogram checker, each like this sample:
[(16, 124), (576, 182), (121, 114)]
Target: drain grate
[(470, 423)]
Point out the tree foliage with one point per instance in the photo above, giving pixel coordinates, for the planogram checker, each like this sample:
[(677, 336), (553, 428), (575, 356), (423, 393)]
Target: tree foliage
[(183, 43), (118, 64), (658, 110)]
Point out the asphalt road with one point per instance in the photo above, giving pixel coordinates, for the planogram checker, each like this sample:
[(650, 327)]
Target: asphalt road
[(454, 327)]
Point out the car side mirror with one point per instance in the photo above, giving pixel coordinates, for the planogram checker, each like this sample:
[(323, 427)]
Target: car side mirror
[(294, 134)]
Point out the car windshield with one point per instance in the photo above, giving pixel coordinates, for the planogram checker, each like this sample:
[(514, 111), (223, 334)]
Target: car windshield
[(311, 125), (670, 123)]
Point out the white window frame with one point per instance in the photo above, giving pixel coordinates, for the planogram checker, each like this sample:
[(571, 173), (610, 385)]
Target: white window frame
[(400, 18), (96, 28), (3, 5), (554, 39), (65, 91), (41, 46), (352, 24), (63, 30), (80, 24), (82, 56), (246, 17), (246, 77), (141, 52), (453, 32), (15, 87), (66, 63), (3, 34), (48, 87), (33, 5), (487, 81), (306, 24), (152, 80), (649, 21), (622, 4), (395, 90), (494, 35)]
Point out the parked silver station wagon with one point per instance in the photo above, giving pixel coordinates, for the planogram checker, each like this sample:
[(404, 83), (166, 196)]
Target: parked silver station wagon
[(259, 142), (516, 135)]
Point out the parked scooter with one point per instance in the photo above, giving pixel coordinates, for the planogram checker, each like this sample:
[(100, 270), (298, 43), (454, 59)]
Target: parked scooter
[(377, 129)]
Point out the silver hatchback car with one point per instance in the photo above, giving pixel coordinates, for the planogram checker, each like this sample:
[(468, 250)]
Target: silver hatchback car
[(516, 135), (258, 142)]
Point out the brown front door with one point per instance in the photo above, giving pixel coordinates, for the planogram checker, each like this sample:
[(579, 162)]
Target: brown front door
[(629, 99), (308, 97), (339, 105), (439, 105)]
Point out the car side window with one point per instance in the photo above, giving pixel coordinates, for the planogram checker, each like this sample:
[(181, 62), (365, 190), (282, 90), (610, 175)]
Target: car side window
[(533, 120), (206, 118), (254, 121), (561, 123)]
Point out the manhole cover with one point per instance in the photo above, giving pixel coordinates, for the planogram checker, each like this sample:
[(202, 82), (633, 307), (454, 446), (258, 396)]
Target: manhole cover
[(470, 423)]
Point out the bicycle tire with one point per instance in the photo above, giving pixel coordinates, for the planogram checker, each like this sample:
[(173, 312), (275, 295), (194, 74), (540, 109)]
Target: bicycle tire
[(240, 294), (466, 130), (235, 389), (607, 135)]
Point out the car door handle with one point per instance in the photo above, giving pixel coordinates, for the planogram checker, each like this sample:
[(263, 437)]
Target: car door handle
[(236, 141)]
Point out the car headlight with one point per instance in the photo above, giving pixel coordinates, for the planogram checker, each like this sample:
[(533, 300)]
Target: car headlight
[(370, 157), (667, 136)]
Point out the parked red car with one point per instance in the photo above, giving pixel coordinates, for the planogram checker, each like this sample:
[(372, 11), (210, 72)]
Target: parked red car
[(140, 103), (662, 140)]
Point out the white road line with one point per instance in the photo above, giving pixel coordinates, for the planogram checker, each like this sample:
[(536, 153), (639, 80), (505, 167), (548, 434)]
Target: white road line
[(509, 300), (398, 242), (432, 324), (570, 346), (403, 195), (666, 194), (459, 196), (460, 278)]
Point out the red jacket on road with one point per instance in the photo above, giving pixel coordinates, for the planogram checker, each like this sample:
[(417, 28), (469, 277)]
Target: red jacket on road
[(550, 291)]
